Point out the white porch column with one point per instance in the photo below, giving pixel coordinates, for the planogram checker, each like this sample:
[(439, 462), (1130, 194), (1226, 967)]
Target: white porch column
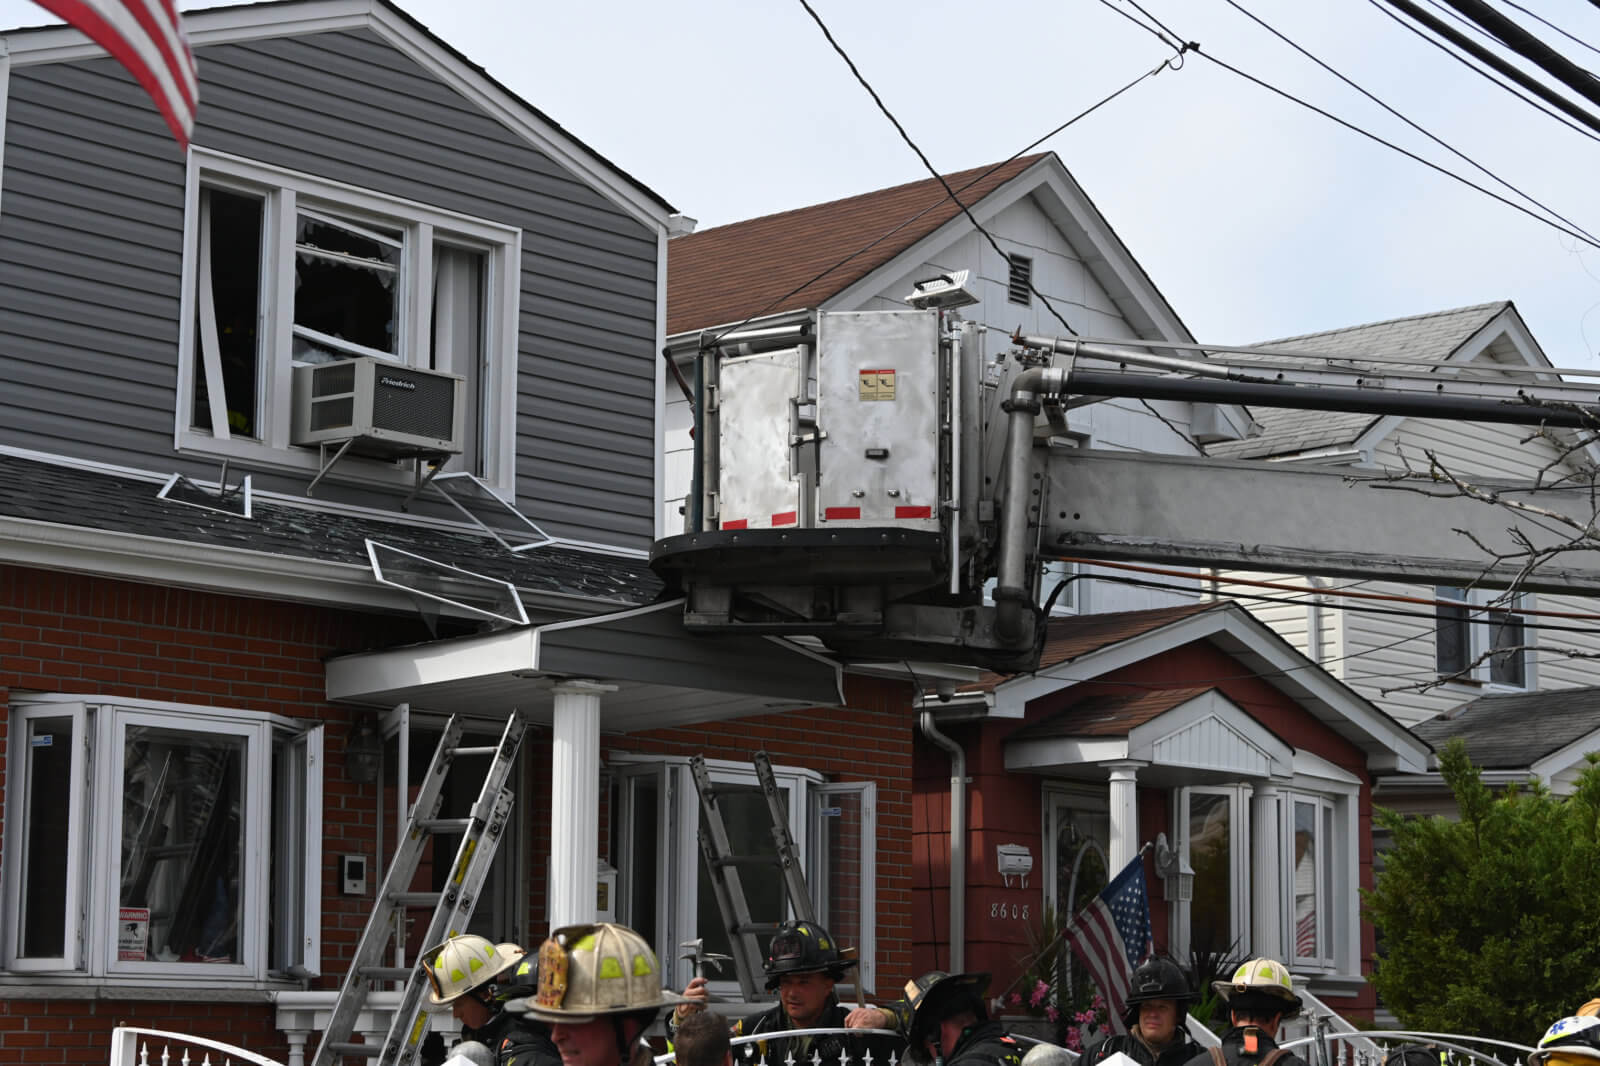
[(575, 802), (1266, 889), (1124, 801)]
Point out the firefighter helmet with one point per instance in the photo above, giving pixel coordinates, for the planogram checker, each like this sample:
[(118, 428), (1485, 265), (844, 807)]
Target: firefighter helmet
[(589, 971), (1155, 979), (1589, 1009), (803, 947), (937, 995), (1260, 985), (461, 964), (1570, 1041)]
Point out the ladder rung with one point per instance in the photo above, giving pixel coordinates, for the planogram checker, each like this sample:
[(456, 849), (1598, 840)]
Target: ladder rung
[(476, 751), (756, 927), (445, 825), (749, 860), (416, 899), (386, 973), (345, 1047)]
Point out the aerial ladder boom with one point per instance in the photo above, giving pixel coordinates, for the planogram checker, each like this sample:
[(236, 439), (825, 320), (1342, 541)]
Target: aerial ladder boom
[(872, 479)]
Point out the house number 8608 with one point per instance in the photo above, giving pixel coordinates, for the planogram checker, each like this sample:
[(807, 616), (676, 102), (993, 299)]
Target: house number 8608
[(1018, 911)]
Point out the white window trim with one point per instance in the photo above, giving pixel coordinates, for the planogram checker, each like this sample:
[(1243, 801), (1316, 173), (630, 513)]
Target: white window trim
[(1317, 779), (18, 817), (684, 894), (281, 188), (1479, 635), (96, 955), (1239, 866)]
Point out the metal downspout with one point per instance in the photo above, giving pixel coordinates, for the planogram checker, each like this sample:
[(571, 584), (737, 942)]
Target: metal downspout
[(958, 840)]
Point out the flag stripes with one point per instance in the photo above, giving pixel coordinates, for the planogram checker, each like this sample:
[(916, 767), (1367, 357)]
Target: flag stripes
[(145, 36)]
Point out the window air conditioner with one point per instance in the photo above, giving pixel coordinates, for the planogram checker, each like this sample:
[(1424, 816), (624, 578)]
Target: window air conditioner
[(385, 409)]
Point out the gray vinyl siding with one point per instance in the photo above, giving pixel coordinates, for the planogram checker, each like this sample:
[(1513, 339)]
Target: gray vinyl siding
[(91, 226)]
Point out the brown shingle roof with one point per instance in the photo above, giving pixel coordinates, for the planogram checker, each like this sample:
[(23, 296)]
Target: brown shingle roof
[(1067, 639), (1108, 715), (728, 273)]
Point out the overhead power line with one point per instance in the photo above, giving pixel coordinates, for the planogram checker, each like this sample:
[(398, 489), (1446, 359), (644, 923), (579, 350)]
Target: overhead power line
[(1483, 55), (1571, 37), (1196, 49), (1531, 48), (1435, 139)]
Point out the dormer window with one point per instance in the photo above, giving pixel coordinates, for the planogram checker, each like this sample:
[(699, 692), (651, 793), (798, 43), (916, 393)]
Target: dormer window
[(287, 269)]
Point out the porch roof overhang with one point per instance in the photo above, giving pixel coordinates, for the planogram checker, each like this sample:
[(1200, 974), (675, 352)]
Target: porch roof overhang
[(663, 676), (1177, 733)]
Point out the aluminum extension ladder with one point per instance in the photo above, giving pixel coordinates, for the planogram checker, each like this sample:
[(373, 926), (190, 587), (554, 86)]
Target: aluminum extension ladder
[(452, 908), (723, 867)]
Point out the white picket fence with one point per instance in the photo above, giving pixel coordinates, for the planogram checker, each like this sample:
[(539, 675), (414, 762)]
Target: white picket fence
[(131, 1046)]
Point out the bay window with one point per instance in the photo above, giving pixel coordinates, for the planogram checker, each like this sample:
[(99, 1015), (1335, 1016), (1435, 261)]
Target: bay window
[(158, 840)]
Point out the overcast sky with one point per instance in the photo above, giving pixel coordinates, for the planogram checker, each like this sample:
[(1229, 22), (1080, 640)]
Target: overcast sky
[(1257, 219)]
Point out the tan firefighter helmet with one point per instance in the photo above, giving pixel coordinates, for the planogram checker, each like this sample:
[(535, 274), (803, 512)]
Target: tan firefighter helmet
[(586, 971), (462, 964)]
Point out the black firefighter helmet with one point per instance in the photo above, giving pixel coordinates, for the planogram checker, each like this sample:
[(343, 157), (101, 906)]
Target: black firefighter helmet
[(1154, 979), (937, 995), (803, 947)]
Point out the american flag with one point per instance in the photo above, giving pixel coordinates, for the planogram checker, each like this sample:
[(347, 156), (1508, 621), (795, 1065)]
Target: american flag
[(1305, 935), (1112, 934), (146, 37)]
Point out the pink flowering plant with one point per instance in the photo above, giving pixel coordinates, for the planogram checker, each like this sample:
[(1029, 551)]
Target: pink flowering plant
[(1054, 986)]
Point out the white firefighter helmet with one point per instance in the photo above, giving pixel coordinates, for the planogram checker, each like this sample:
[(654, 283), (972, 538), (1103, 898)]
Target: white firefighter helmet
[(1261, 985), (461, 964), (586, 971)]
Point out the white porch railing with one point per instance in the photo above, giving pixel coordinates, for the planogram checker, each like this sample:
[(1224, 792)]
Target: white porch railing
[(132, 1046), (1369, 1048)]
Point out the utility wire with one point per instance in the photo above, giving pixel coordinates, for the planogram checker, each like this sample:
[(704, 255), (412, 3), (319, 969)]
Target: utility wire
[(1485, 75), (1531, 48), (1539, 18), (1574, 234), (1436, 140), (1483, 55), (1085, 113), (904, 136)]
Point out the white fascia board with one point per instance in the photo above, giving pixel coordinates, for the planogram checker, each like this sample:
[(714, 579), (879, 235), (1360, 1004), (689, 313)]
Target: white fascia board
[(660, 406), (520, 119), (360, 675), (1011, 698), (1051, 752), (1326, 774), (5, 94), (1305, 681), (1565, 758), (158, 560), (256, 21)]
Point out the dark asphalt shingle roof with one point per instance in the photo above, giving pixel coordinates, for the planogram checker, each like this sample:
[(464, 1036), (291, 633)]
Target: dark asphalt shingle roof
[(1512, 731), (71, 496), (1429, 338), (1108, 715)]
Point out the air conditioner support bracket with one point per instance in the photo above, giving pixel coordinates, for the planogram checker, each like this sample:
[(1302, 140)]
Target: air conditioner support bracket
[(327, 464), (434, 461)]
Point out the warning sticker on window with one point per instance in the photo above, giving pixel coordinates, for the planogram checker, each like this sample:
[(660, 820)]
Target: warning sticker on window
[(133, 933), (877, 385)]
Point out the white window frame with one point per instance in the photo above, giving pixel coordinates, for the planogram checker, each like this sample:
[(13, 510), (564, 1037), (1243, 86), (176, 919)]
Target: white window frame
[(1239, 848), (1338, 791), (284, 192), (866, 975), (99, 726), (683, 893), (1480, 635)]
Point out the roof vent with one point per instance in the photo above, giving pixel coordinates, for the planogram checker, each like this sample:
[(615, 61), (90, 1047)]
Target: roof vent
[(1019, 287)]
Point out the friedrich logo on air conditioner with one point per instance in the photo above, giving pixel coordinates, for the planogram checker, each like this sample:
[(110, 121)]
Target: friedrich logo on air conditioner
[(398, 383)]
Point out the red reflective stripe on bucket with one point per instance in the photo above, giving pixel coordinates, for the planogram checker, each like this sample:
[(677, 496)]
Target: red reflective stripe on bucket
[(913, 512), (785, 518), (832, 513), (736, 523)]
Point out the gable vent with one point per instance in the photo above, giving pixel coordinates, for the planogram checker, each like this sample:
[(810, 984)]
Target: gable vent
[(1019, 288)]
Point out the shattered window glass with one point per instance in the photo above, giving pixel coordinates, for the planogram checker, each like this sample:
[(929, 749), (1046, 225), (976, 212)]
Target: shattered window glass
[(346, 289)]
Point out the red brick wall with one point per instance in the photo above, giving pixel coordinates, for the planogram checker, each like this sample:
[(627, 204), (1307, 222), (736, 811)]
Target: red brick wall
[(1006, 808), (92, 636), (867, 740)]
